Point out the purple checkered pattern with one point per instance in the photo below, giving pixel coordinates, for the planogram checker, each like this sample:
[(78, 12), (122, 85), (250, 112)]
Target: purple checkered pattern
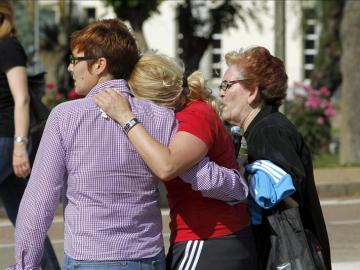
[(110, 209), (221, 183)]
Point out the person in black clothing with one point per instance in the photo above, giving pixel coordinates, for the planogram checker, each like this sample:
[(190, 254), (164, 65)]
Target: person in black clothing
[(253, 88), (14, 124)]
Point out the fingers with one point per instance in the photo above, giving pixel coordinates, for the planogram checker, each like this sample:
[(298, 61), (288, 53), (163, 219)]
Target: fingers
[(104, 98), (21, 165), (99, 100), (109, 94), (115, 105), (112, 93), (22, 170)]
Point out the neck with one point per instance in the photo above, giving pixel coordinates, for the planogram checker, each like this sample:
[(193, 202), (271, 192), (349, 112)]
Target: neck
[(105, 78), (248, 119)]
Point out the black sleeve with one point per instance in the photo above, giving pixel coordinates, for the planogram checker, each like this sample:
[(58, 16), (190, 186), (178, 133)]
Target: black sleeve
[(12, 54), (279, 145)]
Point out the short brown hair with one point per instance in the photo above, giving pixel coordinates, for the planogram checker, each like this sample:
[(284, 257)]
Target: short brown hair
[(112, 40), (6, 18), (263, 70)]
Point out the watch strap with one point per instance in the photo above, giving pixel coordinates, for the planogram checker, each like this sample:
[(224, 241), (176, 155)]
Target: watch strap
[(130, 124)]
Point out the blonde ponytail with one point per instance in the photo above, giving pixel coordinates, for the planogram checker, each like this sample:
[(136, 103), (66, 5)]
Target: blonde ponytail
[(159, 78), (198, 91)]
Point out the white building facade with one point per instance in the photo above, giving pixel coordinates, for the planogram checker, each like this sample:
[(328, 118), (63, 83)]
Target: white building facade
[(161, 34)]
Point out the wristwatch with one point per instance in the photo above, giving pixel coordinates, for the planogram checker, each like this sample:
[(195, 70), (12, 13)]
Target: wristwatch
[(130, 124), (21, 139)]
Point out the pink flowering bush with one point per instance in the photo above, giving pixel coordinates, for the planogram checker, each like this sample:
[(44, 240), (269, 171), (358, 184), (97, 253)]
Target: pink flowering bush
[(73, 95), (310, 111), (52, 97)]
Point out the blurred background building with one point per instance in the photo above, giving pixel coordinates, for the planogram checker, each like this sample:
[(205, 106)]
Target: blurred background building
[(307, 35)]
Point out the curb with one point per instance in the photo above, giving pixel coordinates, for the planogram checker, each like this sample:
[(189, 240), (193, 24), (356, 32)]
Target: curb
[(330, 183), (338, 190), (337, 182)]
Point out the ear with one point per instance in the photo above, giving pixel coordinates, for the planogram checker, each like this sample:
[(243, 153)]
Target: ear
[(254, 95), (100, 66)]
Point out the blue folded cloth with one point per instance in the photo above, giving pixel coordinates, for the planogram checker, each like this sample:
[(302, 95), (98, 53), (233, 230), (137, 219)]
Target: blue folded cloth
[(268, 185)]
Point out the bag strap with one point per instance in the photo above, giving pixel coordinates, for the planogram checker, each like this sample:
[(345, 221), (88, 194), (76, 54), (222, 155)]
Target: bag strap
[(284, 204)]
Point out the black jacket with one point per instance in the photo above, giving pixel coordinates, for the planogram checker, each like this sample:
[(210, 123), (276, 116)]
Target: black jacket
[(273, 137)]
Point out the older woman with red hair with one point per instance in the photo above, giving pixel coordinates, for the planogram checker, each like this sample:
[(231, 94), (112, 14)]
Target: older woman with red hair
[(253, 88)]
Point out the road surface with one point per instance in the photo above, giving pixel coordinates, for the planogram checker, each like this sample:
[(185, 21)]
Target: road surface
[(342, 218)]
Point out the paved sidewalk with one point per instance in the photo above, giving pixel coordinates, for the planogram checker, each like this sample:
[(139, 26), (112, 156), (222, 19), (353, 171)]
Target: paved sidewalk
[(337, 182), (330, 183), (335, 187)]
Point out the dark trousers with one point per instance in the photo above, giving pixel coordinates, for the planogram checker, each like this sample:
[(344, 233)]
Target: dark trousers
[(231, 252), (262, 240), (11, 192)]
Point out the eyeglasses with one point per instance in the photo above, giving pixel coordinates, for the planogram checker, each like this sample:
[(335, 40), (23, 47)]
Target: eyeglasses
[(225, 85), (75, 59)]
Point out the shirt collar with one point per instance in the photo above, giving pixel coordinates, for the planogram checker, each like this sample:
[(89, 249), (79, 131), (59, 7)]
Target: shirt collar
[(119, 85), (265, 111)]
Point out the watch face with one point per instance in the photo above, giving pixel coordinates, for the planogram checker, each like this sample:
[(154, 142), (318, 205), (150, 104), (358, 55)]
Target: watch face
[(20, 139), (131, 123)]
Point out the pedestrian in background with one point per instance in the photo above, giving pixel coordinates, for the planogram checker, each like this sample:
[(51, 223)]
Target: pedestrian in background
[(253, 88), (14, 123)]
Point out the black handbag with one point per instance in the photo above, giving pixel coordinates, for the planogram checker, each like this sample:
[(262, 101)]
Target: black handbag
[(38, 111), (292, 247)]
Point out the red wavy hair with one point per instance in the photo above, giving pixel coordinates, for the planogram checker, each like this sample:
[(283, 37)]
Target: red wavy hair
[(263, 70)]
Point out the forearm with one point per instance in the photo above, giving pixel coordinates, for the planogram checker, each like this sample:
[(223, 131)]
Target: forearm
[(21, 116), (41, 197), (17, 79), (216, 182), (21, 164), (33, 221), (158, 157), (184, 150)]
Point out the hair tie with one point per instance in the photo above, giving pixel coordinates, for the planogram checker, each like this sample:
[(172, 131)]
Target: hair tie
[(185, 83), (185, 87)]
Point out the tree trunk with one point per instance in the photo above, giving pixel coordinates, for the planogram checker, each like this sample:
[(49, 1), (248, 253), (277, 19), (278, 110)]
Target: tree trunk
[(327, 61), (65, 8), (280, 29), (350, 94), (141, 41)]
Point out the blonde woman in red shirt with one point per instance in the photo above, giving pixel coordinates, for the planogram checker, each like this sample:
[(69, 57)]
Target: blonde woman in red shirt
[(205, 233)]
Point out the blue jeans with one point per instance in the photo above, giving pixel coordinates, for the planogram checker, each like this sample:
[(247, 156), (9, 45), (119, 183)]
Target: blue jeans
[(11, 191), (6, 149), (155, 263)]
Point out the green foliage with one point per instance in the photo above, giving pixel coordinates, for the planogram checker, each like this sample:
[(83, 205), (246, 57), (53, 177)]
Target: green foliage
[(50, 33), (134, 11), (23, 23), (198, 30), (326, 160), (222, 15), (225, 15), (310, 112), (329, 14)]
